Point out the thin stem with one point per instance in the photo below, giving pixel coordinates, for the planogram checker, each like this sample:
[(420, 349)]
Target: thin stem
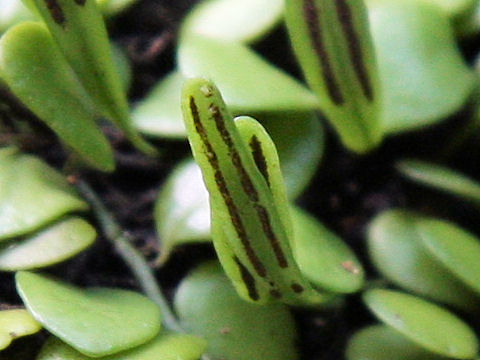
[(132, 257)]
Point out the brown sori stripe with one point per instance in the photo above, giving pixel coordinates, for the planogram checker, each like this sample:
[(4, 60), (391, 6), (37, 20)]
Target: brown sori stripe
[(267, 229), (55, 11), (227, 198), (259, 158), (312, 16), (345, 16), (248, 280), (81, 2), (275, 293), (297, 288)]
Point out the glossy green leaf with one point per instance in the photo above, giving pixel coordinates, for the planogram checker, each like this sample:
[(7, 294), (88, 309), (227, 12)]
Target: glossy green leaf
[(324, 259), (208, 305), (237, 177), (441, 178), (12, 13), (381, 342), (32, 194), (165, 346), (233, 20), (52, 245), (248, 83), (423, 76), (79, 31), (424, 323), (333, 45), (33, 68), (457, 249), (14, 324), (396, 249), (96, 322)]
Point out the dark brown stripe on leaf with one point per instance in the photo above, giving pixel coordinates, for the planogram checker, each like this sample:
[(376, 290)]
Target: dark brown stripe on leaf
[(55, 11), (345, 17), (259, 158), (81, 2), (225, 193), (272, 238), (297, 288), (312, 16), (275, 293), (248, 280)]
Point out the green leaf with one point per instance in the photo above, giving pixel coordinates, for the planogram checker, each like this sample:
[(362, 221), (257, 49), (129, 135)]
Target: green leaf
[(52, 245), (36, 73), (233, 20), (325, 260), (122, 66), (441, 178), (245, 79), (12, 13), (381, 342), (424, 323), (423, 76), (79, 31), (14, 324), (32, 194), (165, 346), (455, 248), (455, 9), (396, 249), (208, 305), (333, 45), (96, 322), (113, 7)]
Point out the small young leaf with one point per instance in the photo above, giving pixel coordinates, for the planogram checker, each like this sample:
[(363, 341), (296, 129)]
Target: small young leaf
[(381, 342), (424, 323), (52, 245), (79, 31), (32, 194), (333, 45), (233, 20), (247, 82), (36, 73), (14, 324), (208, 305), (396, 249), (441, 178), (96, 322)]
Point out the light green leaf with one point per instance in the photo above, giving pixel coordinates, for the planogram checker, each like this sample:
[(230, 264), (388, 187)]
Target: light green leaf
[(52, 245), (122, 66), (96, 322), (36, 73), (14, 324), (424, 323), (455, 9), (455, 248), (423, 76), (32, 194), (333, 45), (233, 20), (381, 342), (12, 13), (208, 306), (113, 7), (396, 249), (325, 260), (247, 82), (165, 346), (441, 178), (79, 31)]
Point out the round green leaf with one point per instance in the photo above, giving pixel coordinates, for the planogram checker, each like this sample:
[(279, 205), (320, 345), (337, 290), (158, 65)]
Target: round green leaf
[(455, 248), (96, 322), (244, 78), (324, 259), (47, 247), (423, 75), (233, 20), (396, 249), (14, 324), (381, 342), (166, 346), (424, 323), (208, 305), (32, 194)]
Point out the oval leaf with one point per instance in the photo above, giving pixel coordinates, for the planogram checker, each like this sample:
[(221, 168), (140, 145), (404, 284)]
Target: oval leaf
[(52, 245), (208, 306), (423, 323), (96, 322), (14, 324)]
